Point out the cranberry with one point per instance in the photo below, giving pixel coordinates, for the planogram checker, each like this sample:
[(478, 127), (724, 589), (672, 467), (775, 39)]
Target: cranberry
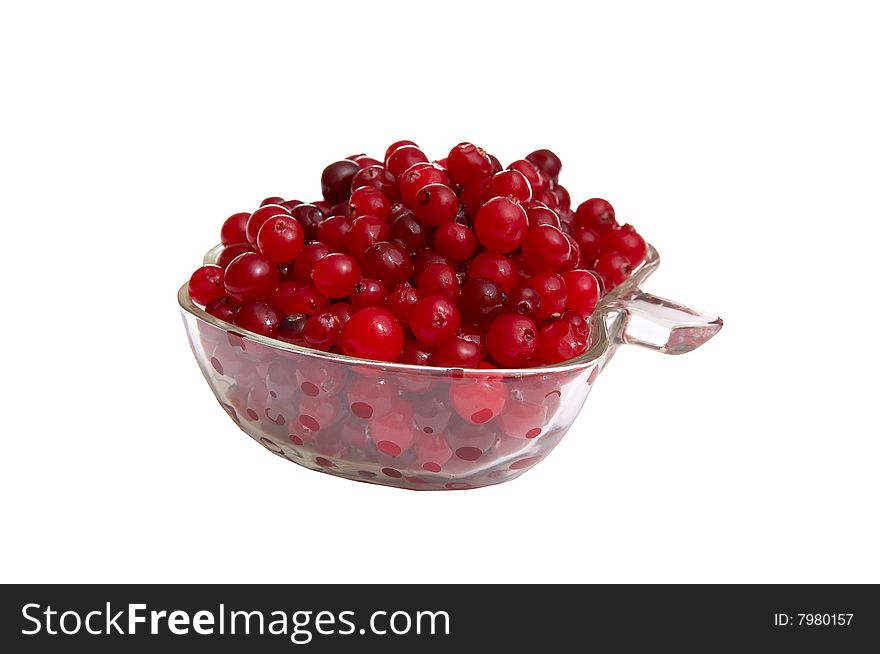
[(332, 232), (341, 209), (369, 293), (577, 320), (427, 258), (259, 317), (501, 224), (398, 144), (590, 243), (364, 232), (343, 311), (560, 341), (372, 333), (433, 319), (545, 248), (474, 334), (378, 178), (290, 204), (367, 201), (259, 217), (336, 180), (415, 353), (563, 199), (439, 279), (551, 289), (229, 253), (206, 284), (280, 239), (309, 217), (582, 291), (523, 300), (290, 330), (371, 398), (401, 300), (307, 259), (613, 268), (418, 176), (409, 233), (336, 274), (467, 163), (509, 183), (456, 352), (495, 267), (546, 197), (627, 241), (573, 260), (222, 308), (435, 204), (478, 401), (388, 262), (326, 208), (393, 433), (402, 158), (513, 340), (303, 299), (481, 300), (250, 276), (321, 332), (530, 172), (234, 229), (455, 241), (547, 161), (596, 213), (282, 297), (541, 215), (472, 195), (496, 165)]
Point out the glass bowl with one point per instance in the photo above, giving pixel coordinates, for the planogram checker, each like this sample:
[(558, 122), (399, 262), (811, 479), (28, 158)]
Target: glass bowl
[(415, 427)]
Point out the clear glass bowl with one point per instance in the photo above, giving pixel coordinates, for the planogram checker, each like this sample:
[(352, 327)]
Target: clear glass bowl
[(416, 427)]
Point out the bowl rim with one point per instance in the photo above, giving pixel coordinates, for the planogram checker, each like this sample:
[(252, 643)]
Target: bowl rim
[(609, 304)]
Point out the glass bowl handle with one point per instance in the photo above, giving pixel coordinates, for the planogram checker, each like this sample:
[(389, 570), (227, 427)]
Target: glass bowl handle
[(663, 325)]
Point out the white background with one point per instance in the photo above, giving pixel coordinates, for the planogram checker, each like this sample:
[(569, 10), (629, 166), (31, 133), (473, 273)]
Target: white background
[(743, 142)]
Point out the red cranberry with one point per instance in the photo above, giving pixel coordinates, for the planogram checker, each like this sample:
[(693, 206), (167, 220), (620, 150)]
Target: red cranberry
[(415, 353), (501, 224), (440, 279), (597, 214), (259, 317), (530, 172), (303, 299), (435, 204), (523, 300), (496, 165), (573, 260), (590, 243), (455, 241), (541, 215), (367, 201), (546, 161), (364, 232), (513, 340), (563, 199), (332, 232), (371, 398), (409, 233), (393, 433), (560, 341), (478, 401), (546, 197), (474, 334), (402, 158), (259, 217), (456, 352), (341, 209), (336, 180), (551, 288), (576, 320), (290, 330), (509, 183), (378, 178), (206, 284), (250, 276), (582, 291), (290, 204), (369, 293), (472, 195), (336, 274), (418, 176), (282, 297), (398, 144), (222, 308), (309, 217), (545, 248), (343, 311), (321, 332), (496, 267), (280, 239), (326, 208), (400, 302), (433, 319), (234, 229), (307, 259), (613, 268), (229, 253), (467, 163), (481, 300), (628, 242), (372, 333), (427, 258), (388, 262)]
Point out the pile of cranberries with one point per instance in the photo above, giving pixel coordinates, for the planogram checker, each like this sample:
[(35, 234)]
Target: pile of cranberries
[(452, 263)]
